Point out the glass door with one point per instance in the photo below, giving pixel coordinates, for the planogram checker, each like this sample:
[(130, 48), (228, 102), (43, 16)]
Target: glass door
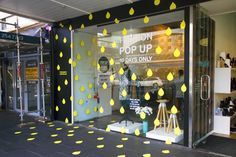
[(203, 73)]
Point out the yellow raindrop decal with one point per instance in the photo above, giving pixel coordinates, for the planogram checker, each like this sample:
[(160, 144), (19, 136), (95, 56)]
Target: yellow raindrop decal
[(70, 61), (146, 155), (161, 92), (87, 111), (104, 31), (102, 49), (79, 142), (70, 27), (58, 88), (81, 101), (112, 102), (137, 132), (66, 120), (113, 45), (183, 88), (17, 132), (64, 40), (61, 25), (90, 17), (172, 6), (54, 135), (82, 43), (71, 45), (58, 67), (146, 20), (131, 11), (108, 129), (122, 130), (74, 64), (157, 2), (101, 110), (82, 26), (95, 109), (89, 96), (78, 57), (90, 85), (82, 89), (76, 77), (56, 36), (147, 96), (149, 73), (182, 25), (61, 54), (124, 93), (142, 115), (76, 127), (58, 129), (75, 113), (89, 53), (176, 53), (168, 141), (116, 21), (134, 77), (112, 62), (70, 135), (158, 50), (100, 138), (57, 108), (122, 110), (112, 77), (76, 153), (165, 151), (124, 31), (156, 122), (66, 82), (32, 128), (30, 139), (57, 142), (174, 110), (100, 146), (170, 77), (98, 67), (104, 85), (124, 139), (121, 71), (120, 146), (168, 31), (63, 101), (177, 131), (108, 15)]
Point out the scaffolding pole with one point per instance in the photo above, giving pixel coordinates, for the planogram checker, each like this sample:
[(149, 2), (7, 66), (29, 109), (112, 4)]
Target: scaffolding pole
[(42, 73)]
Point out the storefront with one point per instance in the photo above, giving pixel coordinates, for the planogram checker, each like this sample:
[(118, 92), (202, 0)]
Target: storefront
[(146, 72)]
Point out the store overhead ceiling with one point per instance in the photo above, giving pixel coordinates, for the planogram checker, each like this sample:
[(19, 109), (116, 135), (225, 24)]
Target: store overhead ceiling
[(57, 10), (216, 7)]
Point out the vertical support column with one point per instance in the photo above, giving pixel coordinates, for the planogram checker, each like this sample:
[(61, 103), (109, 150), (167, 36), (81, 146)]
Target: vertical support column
[(42, 73), (19, 73), (72, 77)]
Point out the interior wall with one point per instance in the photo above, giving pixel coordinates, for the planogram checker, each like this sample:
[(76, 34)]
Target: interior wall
[(225, 40)]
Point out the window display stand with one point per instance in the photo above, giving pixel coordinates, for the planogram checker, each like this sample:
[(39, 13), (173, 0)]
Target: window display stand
[(162, 113), (128, 126)]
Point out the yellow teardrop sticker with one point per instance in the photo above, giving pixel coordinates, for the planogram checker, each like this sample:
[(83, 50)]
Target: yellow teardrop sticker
[(124, 93), (66, 82), (78, 57), (149, 73), (112, 102), (108, 15), (63, 101), (101, 110), (177, 131), (165, 151), (147, 96), (81, 101), (123, 130), (82, 26), (168, 141), (57, 108), (122, 110), (102, 49), (112, 62), (100, 146), (82, 43), (90, 85), (87, 111), (64, 40), (82, 89), (158, 50), (66, 120), (174, 110), (146, 19), (76, 153), (108, 129), (124, 31), (57, 142), (131, 11), (113, 45), (172, 6), (170, 77), (104, 31), (142, 115), (161, 92), (79, 142), (146, 155), (76, 77), (104, 85), (100, 138), (182, 25), (58, 88), (119, 146), (183, 88), (90, 17), (58, 67), (121, 71), (168, 31), (70, 61), (176, 53), (137, 132), (156, 122), (112, 77), (56, 36), (75, 113), (70, 27), (116, 21), (74, 64), (95, 109), (98, 67), (157, 2), (89, 53), (61, 54), (134, 77)]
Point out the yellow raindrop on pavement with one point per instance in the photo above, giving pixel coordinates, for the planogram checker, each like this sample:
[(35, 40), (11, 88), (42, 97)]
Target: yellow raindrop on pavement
[(79, 142), (58, 67), (90, 85), (57, 142), (104, 31), (100, 138), (90, 132), (56, 36), (64, 40), (30, 139), (70, 61), (82, 88), (58, 88), (66, 82), (81, 101), (34, 133), (76, 153), (100, 146), (146, 142), (57, 108), (66, 120), (75, 113), (168, 141), (61, 54), (165, 151), (78, 57), (87, 111), (119, 146), (124, 139), (147, 155), (54, 135), (82, 26)]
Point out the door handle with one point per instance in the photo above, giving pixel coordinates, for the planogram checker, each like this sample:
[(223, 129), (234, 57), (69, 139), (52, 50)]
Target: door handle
[(208, 88)]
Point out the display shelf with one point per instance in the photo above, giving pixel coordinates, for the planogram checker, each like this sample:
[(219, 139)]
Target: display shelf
[(129, 128)]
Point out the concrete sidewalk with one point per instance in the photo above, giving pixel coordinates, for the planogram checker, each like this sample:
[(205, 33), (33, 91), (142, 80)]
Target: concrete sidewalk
[(57, 139)]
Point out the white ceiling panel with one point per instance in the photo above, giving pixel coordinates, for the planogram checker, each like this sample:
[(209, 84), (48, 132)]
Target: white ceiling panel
[(56, 10)]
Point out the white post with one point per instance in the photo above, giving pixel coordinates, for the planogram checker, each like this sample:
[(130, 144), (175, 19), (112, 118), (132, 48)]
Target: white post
[(19, 72), (42, 72)]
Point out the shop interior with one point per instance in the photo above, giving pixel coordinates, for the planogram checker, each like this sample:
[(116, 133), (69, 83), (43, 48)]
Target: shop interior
[(134, 83)]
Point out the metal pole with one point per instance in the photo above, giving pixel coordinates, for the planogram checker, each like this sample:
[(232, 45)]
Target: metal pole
[(42, 72), (19, 73)]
